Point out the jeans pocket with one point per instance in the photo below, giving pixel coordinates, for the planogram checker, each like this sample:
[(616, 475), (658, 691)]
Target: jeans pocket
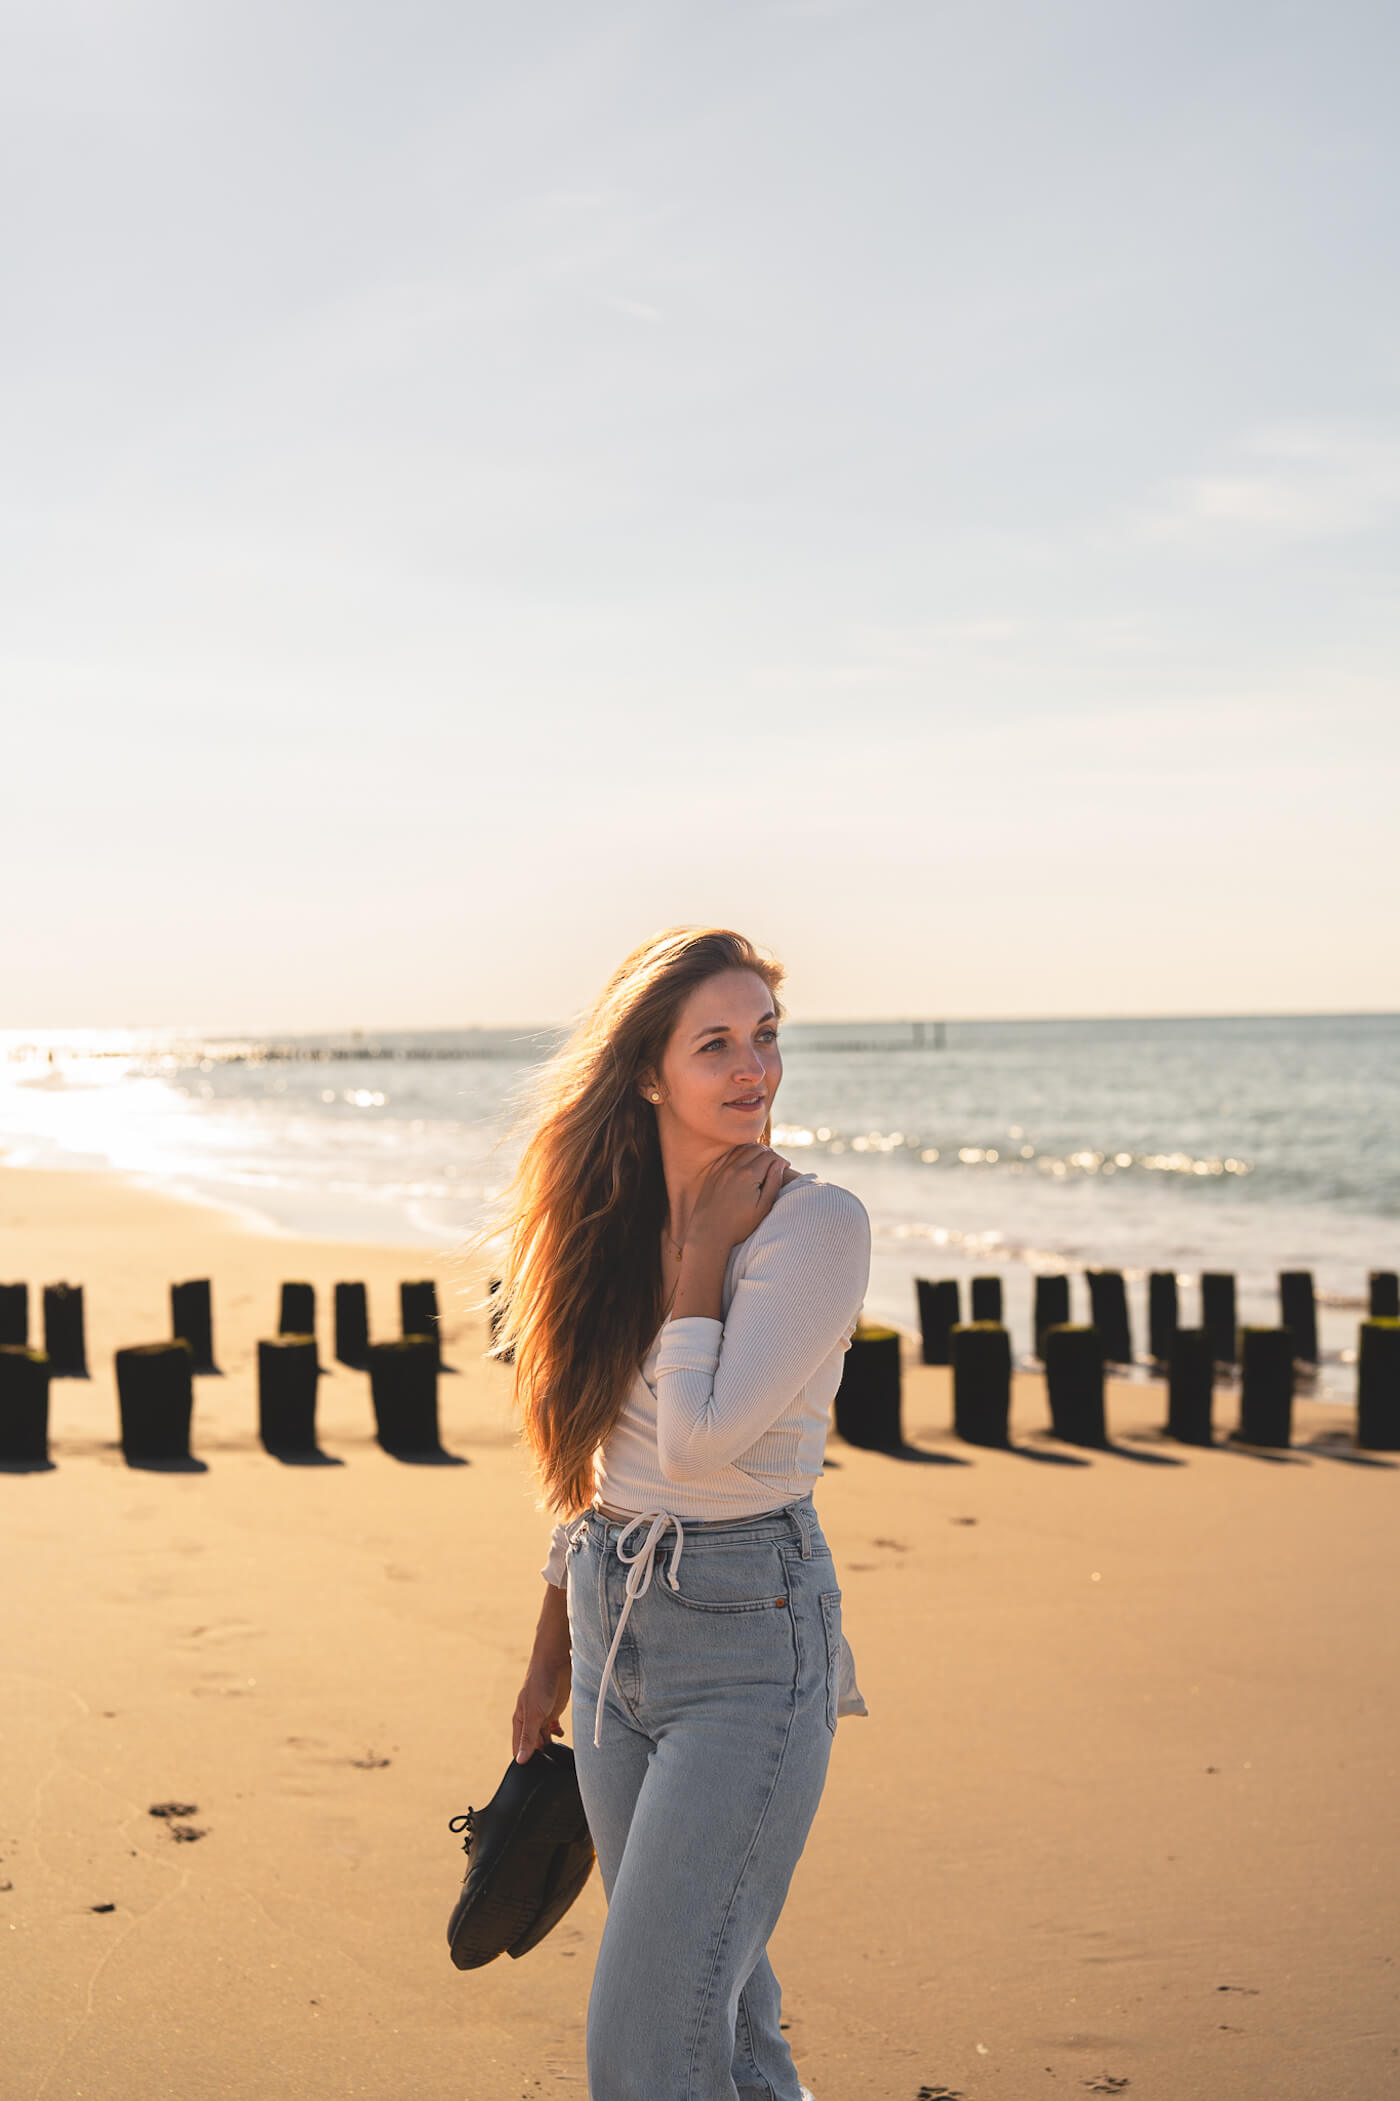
[(831, 1623)]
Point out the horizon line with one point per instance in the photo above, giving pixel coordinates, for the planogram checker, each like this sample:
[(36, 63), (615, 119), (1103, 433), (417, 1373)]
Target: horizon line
[(224, 1030)]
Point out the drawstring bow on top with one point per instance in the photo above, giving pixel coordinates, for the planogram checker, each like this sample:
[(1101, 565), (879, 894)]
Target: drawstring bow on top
[(639, 1573)]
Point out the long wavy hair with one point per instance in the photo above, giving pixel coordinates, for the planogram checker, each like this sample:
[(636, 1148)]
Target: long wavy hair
[(580, 1297)]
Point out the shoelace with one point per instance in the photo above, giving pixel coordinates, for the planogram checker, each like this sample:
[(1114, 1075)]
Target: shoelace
[(639, 1573), (465, 1823)]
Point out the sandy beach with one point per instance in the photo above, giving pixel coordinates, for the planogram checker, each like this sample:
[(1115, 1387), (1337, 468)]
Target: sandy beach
[(1121, 1818)]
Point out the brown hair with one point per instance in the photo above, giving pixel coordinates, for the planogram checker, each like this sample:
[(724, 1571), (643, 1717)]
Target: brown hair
[(580, 1297)]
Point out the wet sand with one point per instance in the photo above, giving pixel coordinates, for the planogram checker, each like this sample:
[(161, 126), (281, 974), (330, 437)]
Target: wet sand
[(1121, 1819)]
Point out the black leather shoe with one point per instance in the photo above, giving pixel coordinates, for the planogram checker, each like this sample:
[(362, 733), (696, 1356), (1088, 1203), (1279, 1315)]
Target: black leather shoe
[(530, 1855)]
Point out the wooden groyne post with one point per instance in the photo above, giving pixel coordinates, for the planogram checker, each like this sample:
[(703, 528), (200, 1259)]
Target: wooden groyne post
[(982, 1382), (192, 1321), (1163, 1314), (1108, 1305), (940, 1310), (987, 1300), (1051, 1307), (155, 1397), (352, 1326), (1384, 1293), (1190, 1387), (418, 1312), (1266, 1387), (868, 1408), (1218, 1316), (1297, 1310), (297, 1314), (403, 1379), (1378, 1385), (287, 1376), (1074, 1361), (14, 1316), (24, 1404), (65, 1340)]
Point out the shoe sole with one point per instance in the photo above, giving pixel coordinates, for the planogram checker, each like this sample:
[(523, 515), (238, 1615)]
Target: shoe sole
[(539, 1873)]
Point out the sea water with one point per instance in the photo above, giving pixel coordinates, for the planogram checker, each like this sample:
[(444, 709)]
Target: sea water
[(1008, 1148)]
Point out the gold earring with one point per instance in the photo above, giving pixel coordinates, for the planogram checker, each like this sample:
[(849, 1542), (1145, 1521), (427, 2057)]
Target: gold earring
[(656, 1097)]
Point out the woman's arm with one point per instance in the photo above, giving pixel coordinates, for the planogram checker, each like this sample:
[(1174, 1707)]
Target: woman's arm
[(720, 1384), (545, 1693)]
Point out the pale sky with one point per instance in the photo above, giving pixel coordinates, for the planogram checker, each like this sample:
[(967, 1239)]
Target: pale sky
[(918, 482)]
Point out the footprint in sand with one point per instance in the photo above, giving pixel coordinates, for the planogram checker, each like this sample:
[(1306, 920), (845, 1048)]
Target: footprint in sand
[(183, 1834)]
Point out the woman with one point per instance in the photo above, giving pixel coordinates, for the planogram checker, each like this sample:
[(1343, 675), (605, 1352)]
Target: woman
[(678, 1300)]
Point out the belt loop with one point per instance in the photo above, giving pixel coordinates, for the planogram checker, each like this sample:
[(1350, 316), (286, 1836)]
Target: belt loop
[(799, 1516)]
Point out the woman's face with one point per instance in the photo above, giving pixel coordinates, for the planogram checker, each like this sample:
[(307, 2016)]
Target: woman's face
[(721, 1067)]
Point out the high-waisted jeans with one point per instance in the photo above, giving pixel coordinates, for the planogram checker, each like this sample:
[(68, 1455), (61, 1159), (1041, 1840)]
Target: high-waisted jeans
[(714, 1741)]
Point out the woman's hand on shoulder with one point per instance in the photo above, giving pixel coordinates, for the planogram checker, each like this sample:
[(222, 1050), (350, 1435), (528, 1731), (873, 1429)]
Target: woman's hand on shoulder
[(737, 1194)]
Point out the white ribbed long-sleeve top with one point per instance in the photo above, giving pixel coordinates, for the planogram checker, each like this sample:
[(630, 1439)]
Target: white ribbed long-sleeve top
[(728, 1418)]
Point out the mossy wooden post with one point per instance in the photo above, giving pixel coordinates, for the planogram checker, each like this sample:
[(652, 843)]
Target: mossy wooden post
[(867, 1411), (65, 1343), (1266, 1387), (14, 1316), (1108, 1305), (1218, 1316), (507, 1356), (1074, 1362), (287, 1375), (1051, 1307), (192, 1318), (982, 1382), (1190, 1386), (940, 1310), (352, 1326), (155, 1394), (1384, 1294), (297, 1315), (1297, 1311), (1378, 1386), (403, 1378), (24, 1404), (986, 1300), (418, 1312), (1163, 1313)]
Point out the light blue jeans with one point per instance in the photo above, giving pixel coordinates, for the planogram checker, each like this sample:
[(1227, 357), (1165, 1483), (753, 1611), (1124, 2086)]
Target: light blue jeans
[(715, 1737)]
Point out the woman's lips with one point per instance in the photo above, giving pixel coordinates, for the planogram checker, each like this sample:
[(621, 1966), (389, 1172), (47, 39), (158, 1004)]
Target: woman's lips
[(748, 1101)]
